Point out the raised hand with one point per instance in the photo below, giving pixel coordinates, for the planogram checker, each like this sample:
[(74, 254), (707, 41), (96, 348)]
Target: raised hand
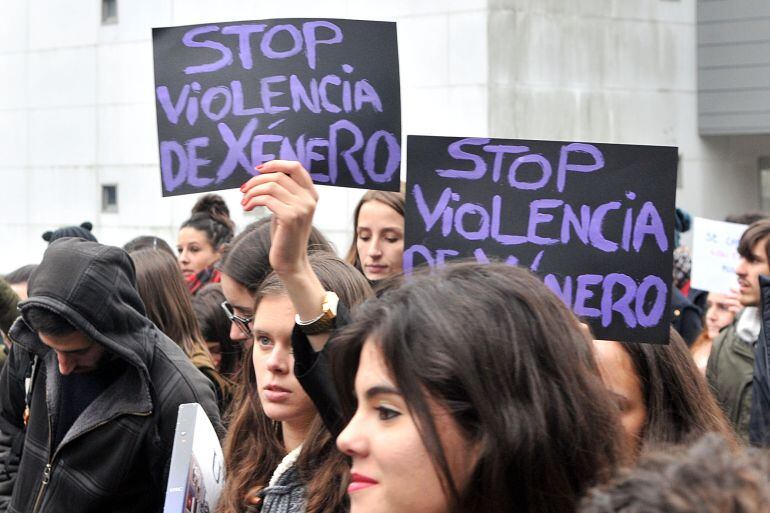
[(286, 189)]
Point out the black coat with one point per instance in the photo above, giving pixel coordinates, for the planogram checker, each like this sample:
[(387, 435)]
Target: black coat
[(115, 457), (313, 372), (686, 317), (759, 423)]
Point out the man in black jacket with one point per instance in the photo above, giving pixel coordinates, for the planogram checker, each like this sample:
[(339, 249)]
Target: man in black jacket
[(93, 387)]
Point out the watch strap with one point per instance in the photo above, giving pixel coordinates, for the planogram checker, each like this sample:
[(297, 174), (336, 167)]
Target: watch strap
[(323, 322)]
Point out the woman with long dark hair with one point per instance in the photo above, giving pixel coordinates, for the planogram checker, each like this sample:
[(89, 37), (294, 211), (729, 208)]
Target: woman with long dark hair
[(475, 389), (278, 454), (168, 306), (661, 396), (492, 399)]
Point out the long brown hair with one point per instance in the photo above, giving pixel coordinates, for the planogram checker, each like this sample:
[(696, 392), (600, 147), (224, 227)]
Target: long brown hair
[(395, 200), (499, 351), (680, 406), (254, 446), (167, 300)]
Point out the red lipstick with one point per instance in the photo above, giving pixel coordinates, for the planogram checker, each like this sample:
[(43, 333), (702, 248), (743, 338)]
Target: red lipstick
[(359, 482)]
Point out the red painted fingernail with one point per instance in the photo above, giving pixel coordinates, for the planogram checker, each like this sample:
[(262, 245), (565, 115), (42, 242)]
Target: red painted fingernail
[(259, 167)]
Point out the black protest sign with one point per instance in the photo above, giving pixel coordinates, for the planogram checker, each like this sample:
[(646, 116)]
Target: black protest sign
[(230, 96), (595, 221)]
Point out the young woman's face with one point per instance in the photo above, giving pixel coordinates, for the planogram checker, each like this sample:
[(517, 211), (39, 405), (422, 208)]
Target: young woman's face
[(242, 304), (281, 396), (621, 380), (718, 313), (392, 471), (195, 251), (380, 240)]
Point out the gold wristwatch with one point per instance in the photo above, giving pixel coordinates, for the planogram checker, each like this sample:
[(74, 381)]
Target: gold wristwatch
[(325, 321)]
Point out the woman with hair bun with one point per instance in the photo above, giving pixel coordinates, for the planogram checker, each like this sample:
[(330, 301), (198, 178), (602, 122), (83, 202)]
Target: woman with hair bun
[(201, 241)]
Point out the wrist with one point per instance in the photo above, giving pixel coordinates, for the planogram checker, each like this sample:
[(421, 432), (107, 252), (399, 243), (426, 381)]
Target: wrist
[(325, 321), (294, 271), (305, 291), (311, 305)]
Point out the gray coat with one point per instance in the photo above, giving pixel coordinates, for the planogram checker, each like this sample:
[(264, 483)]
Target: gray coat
[(115, 456), (287, 495)]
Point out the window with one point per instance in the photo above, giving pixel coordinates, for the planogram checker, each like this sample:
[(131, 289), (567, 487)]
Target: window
[(110, 198), (109, 12)]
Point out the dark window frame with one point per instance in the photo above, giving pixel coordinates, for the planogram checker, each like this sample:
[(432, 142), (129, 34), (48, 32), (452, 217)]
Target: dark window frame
[(110, 198), (109, 12)]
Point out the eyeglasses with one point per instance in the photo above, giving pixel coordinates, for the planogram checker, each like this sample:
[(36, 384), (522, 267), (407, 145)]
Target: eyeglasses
[(241, 322)]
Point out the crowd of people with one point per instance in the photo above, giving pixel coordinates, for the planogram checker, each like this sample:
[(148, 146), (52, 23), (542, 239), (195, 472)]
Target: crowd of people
[(340, 385)]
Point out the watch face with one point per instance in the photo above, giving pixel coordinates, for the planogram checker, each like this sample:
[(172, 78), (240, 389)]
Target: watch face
[(331, 300)]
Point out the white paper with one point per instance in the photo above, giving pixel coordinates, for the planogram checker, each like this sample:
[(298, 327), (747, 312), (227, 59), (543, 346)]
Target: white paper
[(715, 255)]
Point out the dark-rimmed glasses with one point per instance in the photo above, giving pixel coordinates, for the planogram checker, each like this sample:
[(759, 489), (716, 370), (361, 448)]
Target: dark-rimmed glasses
[(241, 322)]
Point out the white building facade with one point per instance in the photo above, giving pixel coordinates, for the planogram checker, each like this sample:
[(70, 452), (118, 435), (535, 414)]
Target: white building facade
[(77, 111)]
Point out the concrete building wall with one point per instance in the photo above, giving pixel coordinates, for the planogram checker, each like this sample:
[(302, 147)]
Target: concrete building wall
[(77, 105), (734, 67), (620, 71)]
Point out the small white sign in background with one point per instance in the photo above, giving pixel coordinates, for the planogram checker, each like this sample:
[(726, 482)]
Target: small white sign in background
[(715, 254)]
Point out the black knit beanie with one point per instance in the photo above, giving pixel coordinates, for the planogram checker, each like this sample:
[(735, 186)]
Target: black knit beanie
[(83, 231)]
